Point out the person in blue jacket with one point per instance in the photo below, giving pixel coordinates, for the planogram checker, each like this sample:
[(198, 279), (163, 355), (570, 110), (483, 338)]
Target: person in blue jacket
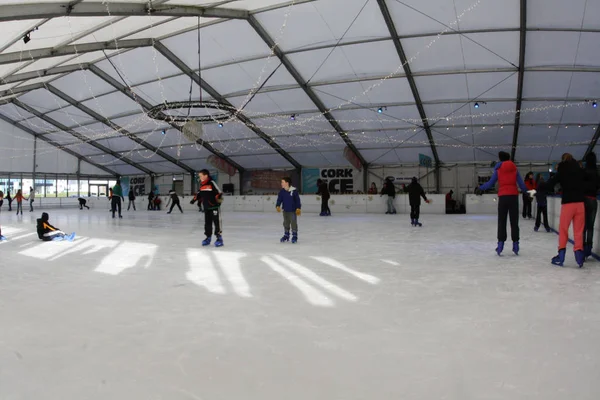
[(290, 199)]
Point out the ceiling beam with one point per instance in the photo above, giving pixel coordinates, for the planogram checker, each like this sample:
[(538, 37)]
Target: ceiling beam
[(57, 145), (79, 136), (147, 106), (36, 54), (522, 46), (122, 132), (309, 92), (25, 76), (409, 76), (168, 54), (23, 11)]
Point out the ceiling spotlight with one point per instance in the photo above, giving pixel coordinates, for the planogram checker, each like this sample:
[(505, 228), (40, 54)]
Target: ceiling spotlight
[(220, 124), (594, 104), (501, 126), (484, 127), (380, 110), (466, 128), (163, 132), (26, 38), (476, 105), (447, 128), (293, 117)]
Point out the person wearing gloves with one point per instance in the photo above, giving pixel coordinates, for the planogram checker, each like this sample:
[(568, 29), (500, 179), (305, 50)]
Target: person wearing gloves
[(174, 200), (197, 198), (290, 200), (415, 192), (211, 198), (48, 233), (509, 182)]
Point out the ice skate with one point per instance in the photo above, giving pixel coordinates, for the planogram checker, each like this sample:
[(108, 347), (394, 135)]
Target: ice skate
[(516, 248), (70, 237), (294, 237), (560, 258), (3, 238), (500, 248), (285, 238), (587, 251), (206, 241), (417, 223), (579, 258), (219, 241)]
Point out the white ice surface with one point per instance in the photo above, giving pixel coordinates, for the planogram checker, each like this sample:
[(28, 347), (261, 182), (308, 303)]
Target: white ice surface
[(363, 307)]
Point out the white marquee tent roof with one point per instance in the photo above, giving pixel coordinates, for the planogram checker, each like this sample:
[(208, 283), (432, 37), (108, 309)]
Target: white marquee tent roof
[(91, 70)]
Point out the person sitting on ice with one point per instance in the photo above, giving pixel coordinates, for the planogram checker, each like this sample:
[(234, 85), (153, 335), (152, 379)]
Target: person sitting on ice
[(509, 181), (48, 233)]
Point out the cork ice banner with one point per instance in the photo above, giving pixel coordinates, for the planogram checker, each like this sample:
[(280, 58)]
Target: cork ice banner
[(340, 180)]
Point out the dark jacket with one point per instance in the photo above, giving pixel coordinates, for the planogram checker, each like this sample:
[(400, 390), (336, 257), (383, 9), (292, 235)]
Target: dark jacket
[(43, 226), (290, 199), (131, 195), (571, 178), (210, 195), (508, 177), (323, 191), (591, 182), (389, 189), (541, 195), (415, 192)]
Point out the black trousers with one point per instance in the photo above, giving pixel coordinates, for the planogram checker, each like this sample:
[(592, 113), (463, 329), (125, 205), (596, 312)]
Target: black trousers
[(527, 205), (175, 203), (591, 208), (116, 205), (542, 211), (212, 217), (10, 205), (415, 211), (508, 206), (325, 205)]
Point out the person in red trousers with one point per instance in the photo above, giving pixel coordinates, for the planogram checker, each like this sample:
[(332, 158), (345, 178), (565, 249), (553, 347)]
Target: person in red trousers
[(571, 178)]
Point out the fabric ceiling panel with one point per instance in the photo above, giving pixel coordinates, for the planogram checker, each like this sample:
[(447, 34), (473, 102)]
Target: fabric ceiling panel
[(535, 84), (243, 147), (197, 163), (585, 85), (55, 32), (188, 151), (38, 125), (273, 102), (581, 113), (393, 117), (45, 63), (494, 113), (223, 42), (82, 85), (120, 144), (70, 116), (113, 104), (143, 157), (381, 156), (15, 113), (303, 123), (125, 169), (348, 62), (84, 149), (493, 136), (379, 93), (138, 65), (328, 24), (96, 131), (456, 154), (556, 13), (42, 100), (540, 135), (92, 56), (230, 130), (415, 16), (573, 134), (14, 30), (64, 138), (121, 27), (442, 87), (170, 89), (534, 154), (163, 167), (254, 162), (248, 76), (391, 139), (173, 137), (171, 27), (501, 85), (317, 159), (542, 49), (544, 112), (311, 142), (140, 123)]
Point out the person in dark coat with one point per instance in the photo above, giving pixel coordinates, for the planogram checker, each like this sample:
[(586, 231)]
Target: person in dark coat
[(197, 198), (9, 199), (541, 198), (151, 200), (324, 193), (527, 199), (131, 197), (571, 178), (174, 201), (48, 233), (390, 190), (591, 202), (415, 192), (82, 203)]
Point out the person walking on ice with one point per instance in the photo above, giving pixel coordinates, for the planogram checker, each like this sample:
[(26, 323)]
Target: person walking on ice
[(2, 238), (390, 190), (290, 200), (131, 197), (211, 197)]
